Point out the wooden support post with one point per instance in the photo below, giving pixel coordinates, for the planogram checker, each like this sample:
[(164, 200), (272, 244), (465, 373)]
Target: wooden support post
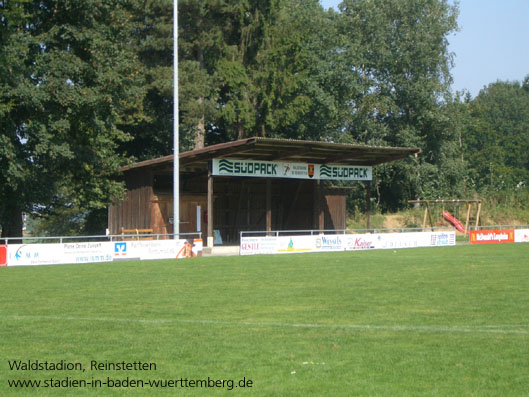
[(426, 211), (469, 205), (430, 217), (268, 205), (479, 212), (316, 205), (368, 205), (210, 237), (321, 214)]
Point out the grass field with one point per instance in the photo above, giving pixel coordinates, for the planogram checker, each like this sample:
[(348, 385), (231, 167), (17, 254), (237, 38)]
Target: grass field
[(437, 321)]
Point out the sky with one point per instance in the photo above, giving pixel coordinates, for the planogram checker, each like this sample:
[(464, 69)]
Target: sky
[(492, 42)]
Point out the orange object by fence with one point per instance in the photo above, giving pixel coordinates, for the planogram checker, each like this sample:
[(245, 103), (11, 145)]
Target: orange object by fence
[(3, 255), (491, 236)]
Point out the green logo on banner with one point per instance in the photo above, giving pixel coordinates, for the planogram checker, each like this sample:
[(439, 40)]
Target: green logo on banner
[(226, 166), (325, 170)]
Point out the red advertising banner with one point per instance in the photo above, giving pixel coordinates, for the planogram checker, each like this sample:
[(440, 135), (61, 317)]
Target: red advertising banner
[(491, 236), (3, 255)]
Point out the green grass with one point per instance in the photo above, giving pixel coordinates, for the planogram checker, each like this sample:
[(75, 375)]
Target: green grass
[(438, 321)]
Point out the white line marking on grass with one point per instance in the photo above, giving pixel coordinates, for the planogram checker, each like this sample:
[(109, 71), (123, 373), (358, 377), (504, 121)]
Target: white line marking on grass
[(522, 329)]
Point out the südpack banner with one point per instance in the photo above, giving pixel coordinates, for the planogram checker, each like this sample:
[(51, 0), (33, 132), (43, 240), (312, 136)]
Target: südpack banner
[(278, 169)]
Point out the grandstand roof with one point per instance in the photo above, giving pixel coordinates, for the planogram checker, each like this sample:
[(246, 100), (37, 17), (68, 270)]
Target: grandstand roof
[(272, 149)]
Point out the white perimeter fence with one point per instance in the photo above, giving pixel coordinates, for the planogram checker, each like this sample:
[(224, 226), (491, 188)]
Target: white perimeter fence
[(292, 241), (33, 251), (289, 242), (24, 251)]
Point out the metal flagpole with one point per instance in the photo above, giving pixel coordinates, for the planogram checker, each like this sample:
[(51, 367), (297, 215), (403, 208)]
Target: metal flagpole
[(176, 165)]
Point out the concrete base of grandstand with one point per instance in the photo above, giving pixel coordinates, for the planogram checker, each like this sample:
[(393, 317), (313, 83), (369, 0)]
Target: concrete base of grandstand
[(221, 250)]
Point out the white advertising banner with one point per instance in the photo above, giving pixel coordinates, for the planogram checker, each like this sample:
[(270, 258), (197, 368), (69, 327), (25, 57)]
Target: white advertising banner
[(80, 252), (108, 251), (276, 245), (344, 242), (157, 249), (278, 169), (34, 254), (521, 235)]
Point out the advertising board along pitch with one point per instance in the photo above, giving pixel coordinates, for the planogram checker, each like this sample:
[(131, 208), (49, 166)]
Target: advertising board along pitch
[(492, 236), (279, 169), (103, 251), (346, 242)]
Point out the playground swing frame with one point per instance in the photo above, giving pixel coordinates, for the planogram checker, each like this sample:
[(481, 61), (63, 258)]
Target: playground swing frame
[(428, 212)]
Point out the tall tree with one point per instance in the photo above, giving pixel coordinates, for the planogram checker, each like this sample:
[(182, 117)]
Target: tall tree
[(202, 40), (398, 52), (291, 98), (497, 139), (151, 127), (246, 68), (64, 104), (14, 173), (255, 68)]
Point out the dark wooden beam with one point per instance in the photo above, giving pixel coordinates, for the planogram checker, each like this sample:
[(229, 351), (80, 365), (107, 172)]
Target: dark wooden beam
[(268, 205), (287, 154), (293, 202), (354, 155), (368, 205), (210, 237), (318, 207)]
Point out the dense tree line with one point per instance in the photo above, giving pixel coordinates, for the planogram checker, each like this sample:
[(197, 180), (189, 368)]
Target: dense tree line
[(497, 137), (86, 86)]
